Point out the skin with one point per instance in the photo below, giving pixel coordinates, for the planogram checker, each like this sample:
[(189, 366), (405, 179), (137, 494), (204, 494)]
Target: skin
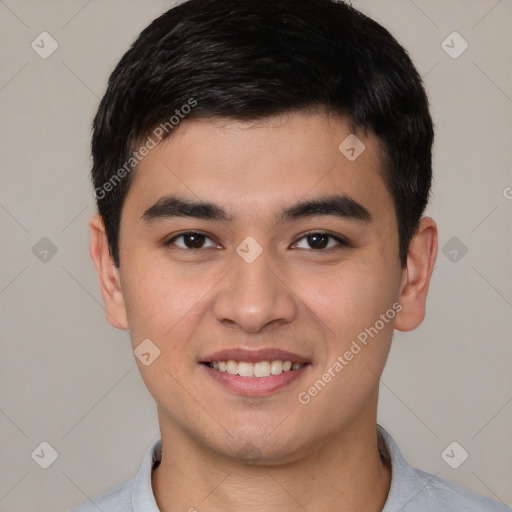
[(223, 451)]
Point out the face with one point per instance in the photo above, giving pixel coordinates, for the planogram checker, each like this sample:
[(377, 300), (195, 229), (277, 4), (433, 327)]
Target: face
[(247, 247)]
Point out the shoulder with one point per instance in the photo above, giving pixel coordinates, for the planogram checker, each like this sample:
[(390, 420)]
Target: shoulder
[(439, 494), (414, 490), (133, 494), (117, 499)]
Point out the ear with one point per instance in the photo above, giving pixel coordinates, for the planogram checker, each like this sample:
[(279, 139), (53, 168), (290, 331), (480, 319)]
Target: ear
[(108, 273), (416, 276)]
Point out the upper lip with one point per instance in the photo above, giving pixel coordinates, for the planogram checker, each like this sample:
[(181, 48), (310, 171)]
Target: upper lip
[(254, 356)]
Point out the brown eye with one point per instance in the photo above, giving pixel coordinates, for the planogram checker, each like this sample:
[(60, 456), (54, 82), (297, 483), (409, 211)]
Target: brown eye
[(319, 241), (190, 240)]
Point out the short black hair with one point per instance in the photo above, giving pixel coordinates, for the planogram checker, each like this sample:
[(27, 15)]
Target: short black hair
[(252, 59)]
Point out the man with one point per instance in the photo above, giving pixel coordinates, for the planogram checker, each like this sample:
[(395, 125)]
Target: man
[(261, 168)]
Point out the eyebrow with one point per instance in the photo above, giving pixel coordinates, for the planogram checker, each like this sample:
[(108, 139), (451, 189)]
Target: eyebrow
[(341, 206)]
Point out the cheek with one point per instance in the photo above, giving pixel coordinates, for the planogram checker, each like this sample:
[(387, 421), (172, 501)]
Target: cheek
[(165, 301), (155, 299), (349, 298), (355, 309), (162, 306)]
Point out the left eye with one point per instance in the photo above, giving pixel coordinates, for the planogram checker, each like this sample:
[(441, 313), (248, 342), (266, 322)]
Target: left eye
[(320, 241), (191, 240)]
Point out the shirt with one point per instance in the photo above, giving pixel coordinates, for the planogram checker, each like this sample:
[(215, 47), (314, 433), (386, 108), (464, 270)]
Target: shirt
[(411, 490)]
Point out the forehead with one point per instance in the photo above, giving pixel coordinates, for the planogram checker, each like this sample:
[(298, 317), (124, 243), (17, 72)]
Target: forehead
[(251, 167)]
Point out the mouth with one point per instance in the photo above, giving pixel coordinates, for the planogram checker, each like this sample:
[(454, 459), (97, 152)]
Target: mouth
[(259, 369), (255, 372)]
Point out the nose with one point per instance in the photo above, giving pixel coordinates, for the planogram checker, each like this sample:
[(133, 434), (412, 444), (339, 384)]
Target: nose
[(254, 295)]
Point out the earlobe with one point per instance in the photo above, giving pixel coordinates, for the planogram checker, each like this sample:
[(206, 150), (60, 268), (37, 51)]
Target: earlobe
[(416, 276), (108, 274)]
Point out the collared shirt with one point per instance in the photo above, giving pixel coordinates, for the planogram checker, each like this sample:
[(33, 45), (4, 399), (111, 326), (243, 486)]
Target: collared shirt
[(412, 490)]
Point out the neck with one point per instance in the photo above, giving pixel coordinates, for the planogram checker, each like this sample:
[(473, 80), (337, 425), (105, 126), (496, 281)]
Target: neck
[(345, 473)]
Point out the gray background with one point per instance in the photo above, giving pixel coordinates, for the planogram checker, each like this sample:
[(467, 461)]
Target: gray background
[(68, 378)]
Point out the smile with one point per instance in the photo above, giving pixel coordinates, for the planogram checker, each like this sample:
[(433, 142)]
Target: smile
[(254, 372), (257, 370)]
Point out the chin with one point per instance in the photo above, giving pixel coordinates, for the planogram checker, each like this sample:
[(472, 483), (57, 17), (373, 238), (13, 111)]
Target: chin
[(255, 449)]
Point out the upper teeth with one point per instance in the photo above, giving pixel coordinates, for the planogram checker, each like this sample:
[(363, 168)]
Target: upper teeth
[(259, 369)]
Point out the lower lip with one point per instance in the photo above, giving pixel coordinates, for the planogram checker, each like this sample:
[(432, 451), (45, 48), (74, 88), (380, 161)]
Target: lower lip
[(255, 385)]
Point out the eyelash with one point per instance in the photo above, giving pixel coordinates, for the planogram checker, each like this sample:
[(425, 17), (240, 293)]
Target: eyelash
[(339, 239)]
